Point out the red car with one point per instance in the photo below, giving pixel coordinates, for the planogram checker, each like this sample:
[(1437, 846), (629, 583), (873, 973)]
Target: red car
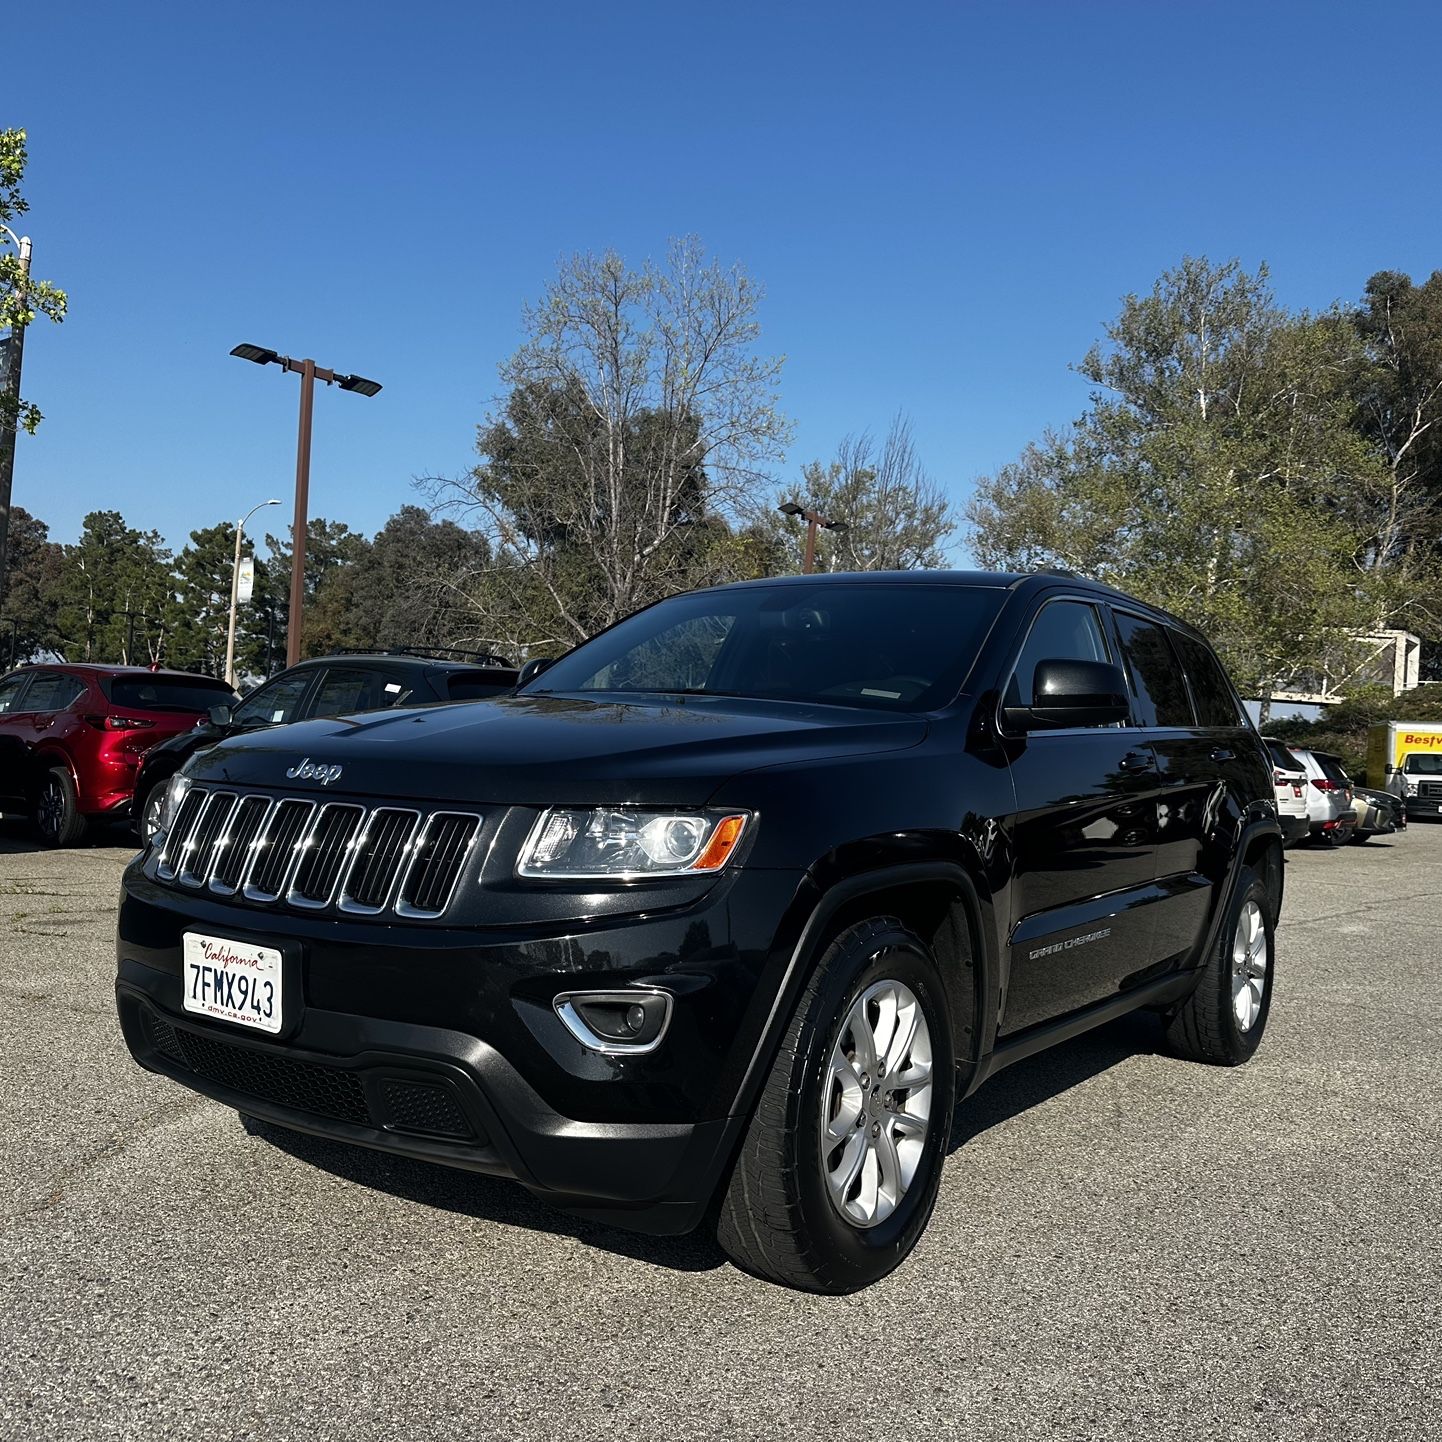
[(72, 738)]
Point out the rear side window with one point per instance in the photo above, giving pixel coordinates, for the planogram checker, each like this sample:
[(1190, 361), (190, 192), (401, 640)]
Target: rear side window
[(1062, 631), (53, 691), (1159, 691), (1211, 691), (167, 693), (353, 688)]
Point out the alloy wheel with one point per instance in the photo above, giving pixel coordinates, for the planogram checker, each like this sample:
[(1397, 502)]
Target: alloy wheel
[(876, 1103), (50, 811), (1249, 966)]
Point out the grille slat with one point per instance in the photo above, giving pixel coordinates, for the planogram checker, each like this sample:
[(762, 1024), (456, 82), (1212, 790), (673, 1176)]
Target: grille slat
[(436, 866), (327, 848), (319, 854), (379, 856), (275, 850)]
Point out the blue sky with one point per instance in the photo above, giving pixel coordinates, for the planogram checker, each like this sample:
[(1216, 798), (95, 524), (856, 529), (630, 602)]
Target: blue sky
[(945, 204)]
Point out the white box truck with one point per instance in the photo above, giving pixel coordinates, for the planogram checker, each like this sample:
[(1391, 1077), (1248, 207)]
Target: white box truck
[(1406, 759)]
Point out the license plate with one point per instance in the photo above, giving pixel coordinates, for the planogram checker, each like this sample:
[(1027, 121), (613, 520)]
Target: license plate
[(233, 981)]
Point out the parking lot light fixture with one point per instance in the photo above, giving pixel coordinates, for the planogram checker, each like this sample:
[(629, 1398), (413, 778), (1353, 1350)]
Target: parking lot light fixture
[(309, 372), (814, 522), (235, 591)]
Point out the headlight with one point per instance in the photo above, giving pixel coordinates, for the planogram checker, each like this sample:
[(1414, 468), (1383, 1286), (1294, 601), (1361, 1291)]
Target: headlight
[(174, 794), (622, 843)]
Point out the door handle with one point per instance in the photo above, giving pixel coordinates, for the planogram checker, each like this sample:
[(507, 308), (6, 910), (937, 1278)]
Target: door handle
[(1138, 761), (1222, 753)]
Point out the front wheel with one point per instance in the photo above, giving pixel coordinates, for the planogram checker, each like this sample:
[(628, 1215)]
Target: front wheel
[(840, 1166), (147, 814), (1222, 1021)]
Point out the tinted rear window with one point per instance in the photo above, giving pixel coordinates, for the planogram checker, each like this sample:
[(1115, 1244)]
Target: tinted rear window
[(1331, 767), (1157, 684), (1283, 758), (1211, 691), (167, 693), (477, 688)]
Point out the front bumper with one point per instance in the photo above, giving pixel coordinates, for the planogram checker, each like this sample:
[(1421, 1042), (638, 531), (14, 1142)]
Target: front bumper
[(442, 1045)]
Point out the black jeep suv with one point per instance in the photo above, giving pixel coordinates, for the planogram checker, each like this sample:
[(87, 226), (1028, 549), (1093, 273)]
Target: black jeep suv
[(730, 903)]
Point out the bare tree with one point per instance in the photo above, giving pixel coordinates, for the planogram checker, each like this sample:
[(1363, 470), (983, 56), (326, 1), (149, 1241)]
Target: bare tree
[(896, 516), (639, 423)]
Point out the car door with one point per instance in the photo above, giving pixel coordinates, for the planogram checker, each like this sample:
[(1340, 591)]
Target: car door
[(1083, 837), (1187, 775), (13, 747)]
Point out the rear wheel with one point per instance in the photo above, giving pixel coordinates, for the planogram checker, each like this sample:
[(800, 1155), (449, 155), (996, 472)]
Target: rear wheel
[(840, 1167), (1222, 1021), (57, 809)]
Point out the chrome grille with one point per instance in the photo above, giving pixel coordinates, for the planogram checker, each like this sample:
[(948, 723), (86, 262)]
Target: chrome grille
[(317, 855)]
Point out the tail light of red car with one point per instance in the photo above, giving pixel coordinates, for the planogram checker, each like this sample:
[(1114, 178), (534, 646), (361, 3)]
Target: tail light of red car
[(117, 723)]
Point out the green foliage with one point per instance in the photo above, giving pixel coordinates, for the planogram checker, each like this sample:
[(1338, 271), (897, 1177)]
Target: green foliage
[(113, 594), (200, 615), (20, 303), (332, 549), (1213, 474), (32, 578)]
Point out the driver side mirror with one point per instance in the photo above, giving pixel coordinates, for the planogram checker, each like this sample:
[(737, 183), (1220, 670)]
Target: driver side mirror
[(533, 668), (1073, 693), (220, 716)]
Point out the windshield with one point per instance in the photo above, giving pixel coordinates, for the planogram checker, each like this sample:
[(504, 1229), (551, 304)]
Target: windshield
[(168, 693), (1424, 763), (900, 647)]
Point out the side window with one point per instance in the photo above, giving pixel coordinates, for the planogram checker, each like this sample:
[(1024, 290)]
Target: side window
[(10, 689), (1158, 687), (71, 689), (275, 703), (1211, 691), (48, 692), (351, 688), (1062, 631)]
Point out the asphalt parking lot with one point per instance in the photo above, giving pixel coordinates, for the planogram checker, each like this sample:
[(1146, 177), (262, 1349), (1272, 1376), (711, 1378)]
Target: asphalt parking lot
[(1125, 1245)]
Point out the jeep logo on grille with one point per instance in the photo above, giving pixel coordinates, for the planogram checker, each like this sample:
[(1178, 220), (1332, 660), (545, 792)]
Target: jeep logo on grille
[(308, 770)]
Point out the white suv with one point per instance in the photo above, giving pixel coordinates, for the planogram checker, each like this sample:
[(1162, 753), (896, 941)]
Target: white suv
[(1289, 778), (1329, 797)]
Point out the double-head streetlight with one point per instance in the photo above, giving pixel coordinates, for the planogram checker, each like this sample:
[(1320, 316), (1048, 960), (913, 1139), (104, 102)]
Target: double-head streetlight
[(814, 521), (235, 592), (10, 387), (309, 372)]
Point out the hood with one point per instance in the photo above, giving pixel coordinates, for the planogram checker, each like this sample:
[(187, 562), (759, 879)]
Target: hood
[(551, 750)]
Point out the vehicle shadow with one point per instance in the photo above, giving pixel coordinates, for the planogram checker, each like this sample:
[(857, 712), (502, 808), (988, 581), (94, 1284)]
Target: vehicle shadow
[(1018, 1089), (18, 838)]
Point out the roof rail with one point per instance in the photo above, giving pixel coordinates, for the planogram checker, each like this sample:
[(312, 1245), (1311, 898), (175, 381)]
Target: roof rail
[(437, 653)]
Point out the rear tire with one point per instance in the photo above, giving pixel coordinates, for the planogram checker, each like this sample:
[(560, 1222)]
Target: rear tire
[(838, 1172), (1222, 1021), (58, 817)]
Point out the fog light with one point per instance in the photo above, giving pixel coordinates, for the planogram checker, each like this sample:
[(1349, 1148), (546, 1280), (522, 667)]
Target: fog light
[(615, 1023)]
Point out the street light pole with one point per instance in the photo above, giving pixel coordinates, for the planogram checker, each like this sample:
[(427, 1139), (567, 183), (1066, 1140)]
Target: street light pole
[(309, 372), (15, 351), (814, 521), (235, 592)]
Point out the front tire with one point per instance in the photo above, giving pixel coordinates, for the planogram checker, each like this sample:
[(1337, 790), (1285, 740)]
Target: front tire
[(839, 1169), (147, 814), (1222, 1021), (58, 817)]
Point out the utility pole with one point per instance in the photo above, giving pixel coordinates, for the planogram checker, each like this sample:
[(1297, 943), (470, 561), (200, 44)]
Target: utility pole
[(309, 372), (14, 352), (814, 521)]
